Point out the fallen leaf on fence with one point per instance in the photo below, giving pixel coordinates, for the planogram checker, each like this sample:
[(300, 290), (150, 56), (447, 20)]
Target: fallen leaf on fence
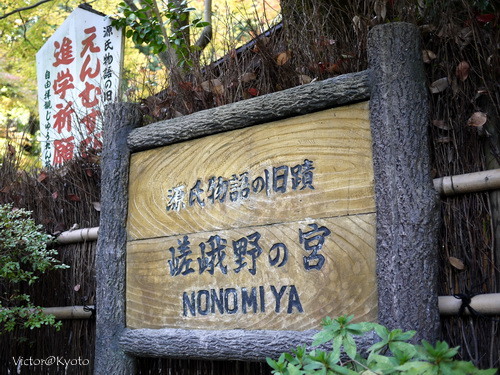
[(477, 119), (439, 85), (304, 79), (485, 18), (73, 197), (247, 77), (380, 8), (214, 86), (42, 176), (283, 58), (457, 263), (356, 24), (253, 91), (76, 288), (97, 206), (441, 124), (462, 71), (428, 56)]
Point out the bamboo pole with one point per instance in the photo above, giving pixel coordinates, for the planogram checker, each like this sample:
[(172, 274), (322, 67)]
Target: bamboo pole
[(485, 304), (78, 235), (69, 312), (468, 183)]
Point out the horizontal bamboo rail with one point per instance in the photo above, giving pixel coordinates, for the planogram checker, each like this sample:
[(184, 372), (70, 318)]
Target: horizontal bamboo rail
[(468, 183), (70, 312), (484, 304), (78, 235)]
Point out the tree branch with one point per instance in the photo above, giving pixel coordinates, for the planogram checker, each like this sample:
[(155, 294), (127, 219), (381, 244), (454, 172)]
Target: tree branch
[(24, 8), (168, 57), (206, 34), (132, 5)]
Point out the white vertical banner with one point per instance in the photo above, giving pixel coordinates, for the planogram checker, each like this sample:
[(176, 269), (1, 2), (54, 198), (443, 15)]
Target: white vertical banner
[(78, 71)]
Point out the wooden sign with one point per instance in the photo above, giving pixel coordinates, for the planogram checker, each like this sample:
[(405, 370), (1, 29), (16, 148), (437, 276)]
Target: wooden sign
[(231, 232), (267, 227)]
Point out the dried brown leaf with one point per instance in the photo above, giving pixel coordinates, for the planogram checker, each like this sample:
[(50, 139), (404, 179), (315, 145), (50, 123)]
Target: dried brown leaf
[(304, 79), (457, 263), (42, 176), (73, 197), (214, 86), (283, 58), (441, 124), (428, 56), (462, 70), (356, 24), (380, 8), (248, 77), (439, 85), (477, 119), (253, 91)]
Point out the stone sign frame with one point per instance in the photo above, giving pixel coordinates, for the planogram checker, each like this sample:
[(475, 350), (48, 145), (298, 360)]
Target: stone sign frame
[(406, 204)]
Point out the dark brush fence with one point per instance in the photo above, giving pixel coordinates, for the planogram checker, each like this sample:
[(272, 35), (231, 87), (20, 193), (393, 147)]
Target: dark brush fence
[(59, 199)]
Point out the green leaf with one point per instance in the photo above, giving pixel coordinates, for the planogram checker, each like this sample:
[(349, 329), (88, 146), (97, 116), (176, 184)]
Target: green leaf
[(381, 331), (350, 347), (322, 336), (294, 370), (419, 366), (202, 24)]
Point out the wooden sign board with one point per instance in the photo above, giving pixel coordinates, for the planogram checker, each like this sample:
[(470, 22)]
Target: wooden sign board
[(267, 227)]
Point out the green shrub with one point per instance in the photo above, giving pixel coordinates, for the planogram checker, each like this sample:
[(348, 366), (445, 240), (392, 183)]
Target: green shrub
[(393, 354), (24, 257)]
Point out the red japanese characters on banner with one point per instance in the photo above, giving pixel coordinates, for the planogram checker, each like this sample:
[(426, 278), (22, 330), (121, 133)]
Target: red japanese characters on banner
[(78, 73)]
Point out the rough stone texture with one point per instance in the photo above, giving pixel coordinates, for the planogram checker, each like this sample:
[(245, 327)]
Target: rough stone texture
[(346, 89), (111, 245), (229, 344), (407, 210)]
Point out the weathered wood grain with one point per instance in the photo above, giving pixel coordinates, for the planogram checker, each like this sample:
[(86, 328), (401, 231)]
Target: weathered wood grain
[(407, 206), (336, 141), (344, 284), (334, 92)]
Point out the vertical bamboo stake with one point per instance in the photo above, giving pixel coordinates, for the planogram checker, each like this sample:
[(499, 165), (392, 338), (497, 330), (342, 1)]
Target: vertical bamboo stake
[(407, 210), (121, 118)]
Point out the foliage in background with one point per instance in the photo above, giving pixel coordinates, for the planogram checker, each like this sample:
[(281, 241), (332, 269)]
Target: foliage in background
[(392, 354), (24, 258), (143, 28)]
